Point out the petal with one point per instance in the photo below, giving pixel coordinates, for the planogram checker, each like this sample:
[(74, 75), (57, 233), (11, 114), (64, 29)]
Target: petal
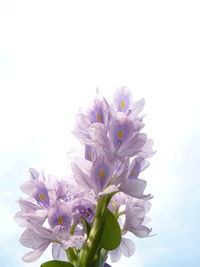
[(33, 173), (137, 107), (127, 247), (73, 241), (122, 99), (58, 252), (34, 255), (115, 255), (101, 173), (28, 187), (81, 173), (27, 206), (120, 132), (23, 218), (110, 189), (98, 134), (134, 187), (133, 146), (41, 230), (59, 214), (33, 240), (147, 150), (141, 232)]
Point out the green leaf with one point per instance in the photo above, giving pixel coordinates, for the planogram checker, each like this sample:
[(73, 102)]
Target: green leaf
[(86, 226), (56, 264), (111, 237)]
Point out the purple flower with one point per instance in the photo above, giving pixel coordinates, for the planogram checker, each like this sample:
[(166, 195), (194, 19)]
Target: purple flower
[(135, 217), (136, 166), (30, 212), (98, 113), (122, 99), (59, 214), (38, 238), (82, 208), (41, 195), (96, 175), (115, 155), (122, 141)]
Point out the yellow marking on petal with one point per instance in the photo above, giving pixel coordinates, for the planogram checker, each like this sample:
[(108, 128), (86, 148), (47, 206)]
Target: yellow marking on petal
[(89, 155), (120, 134), (99, 118), (60, 220), (42, 196), (122, 105), (133, 172), (101, 174)]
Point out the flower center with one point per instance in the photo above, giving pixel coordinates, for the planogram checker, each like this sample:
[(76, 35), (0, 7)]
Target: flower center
[(101, 174), (120, 134), (42, 196), (99, 118), (122, 105), (133, 172), (60, 219)]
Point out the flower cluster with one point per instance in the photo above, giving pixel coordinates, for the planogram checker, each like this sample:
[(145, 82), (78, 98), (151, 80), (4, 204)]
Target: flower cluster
[(73, 217)]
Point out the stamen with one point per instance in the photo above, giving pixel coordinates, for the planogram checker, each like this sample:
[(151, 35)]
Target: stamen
[(122, 105), (42, 196), (60, 220), (99, 118), (133, 172), (101, 174), (120, 134)]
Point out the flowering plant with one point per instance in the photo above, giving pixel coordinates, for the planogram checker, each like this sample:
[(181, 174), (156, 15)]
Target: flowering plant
[(87, 220)]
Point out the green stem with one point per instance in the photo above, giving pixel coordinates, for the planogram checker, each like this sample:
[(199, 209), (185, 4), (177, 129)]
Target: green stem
[(72, 229), (72, 256), (92, 245)]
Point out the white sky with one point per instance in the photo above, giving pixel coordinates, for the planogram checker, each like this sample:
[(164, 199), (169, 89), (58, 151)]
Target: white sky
[(53, 55)]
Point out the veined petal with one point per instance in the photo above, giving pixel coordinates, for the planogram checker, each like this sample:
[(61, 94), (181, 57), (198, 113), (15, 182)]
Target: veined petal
[(120, 132), (127, 247), (58, 252), (134, 145), (110, 189), (143, 231), (59, 214), (122, 99), (101, 173), (98, 134), (134, 187), (27, 206), (28, 187), (33, 240), (73, 241), (23, 218), (115, 255), (137, 107), (34, 255), (81, 174), (33, 173)]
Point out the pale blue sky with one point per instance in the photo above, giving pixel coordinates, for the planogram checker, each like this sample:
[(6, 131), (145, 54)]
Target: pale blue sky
[(53, 54)]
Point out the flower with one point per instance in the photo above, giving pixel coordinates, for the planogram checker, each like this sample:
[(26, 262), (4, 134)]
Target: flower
[(135, 217), (38, 238), (107, 175), (82, 208)]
